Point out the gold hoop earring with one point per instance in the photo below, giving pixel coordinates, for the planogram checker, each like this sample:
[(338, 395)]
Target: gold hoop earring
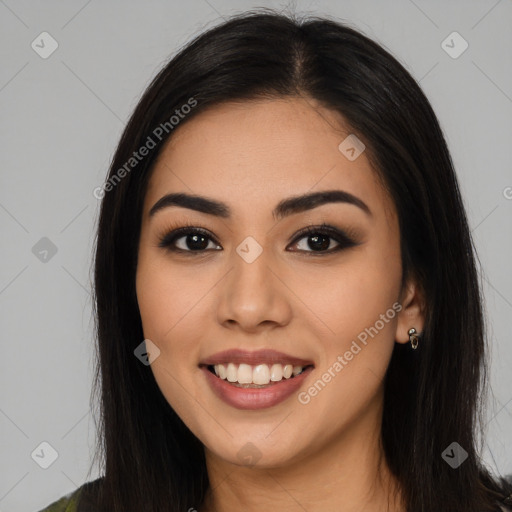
[(414, 338)]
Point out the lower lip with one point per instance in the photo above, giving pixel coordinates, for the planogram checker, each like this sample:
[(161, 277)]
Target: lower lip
[(255, 398)]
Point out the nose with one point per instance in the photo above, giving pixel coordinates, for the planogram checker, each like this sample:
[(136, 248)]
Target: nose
[(253, 295)]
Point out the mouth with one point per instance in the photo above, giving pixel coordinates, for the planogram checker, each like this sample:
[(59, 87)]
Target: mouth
[(256, 376), (255, 379), (262, 394)]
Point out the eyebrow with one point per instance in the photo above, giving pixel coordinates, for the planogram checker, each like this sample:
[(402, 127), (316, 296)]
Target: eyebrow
[(284, 208)]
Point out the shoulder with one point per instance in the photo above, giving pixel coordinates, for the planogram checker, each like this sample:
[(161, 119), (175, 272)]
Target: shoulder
[(82, 499), (506, 504), (77, 500), (67, 503)]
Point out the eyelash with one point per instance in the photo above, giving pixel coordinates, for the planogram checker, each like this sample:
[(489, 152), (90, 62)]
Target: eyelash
[(170, 236)]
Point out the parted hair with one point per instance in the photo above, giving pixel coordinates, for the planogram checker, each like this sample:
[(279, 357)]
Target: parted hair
[(433, 396)]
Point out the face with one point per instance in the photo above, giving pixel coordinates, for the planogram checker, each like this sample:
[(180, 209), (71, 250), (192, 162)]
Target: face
[(254, 281)]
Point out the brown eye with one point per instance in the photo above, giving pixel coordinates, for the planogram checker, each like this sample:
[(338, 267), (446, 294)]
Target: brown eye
[(319, 239), (195, 240)]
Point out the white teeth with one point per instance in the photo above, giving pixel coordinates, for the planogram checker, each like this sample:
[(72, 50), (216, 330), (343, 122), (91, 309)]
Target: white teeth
[(296, 370), (221, 371), (260, 374), (276, 372), (232, 373), (244, 374)]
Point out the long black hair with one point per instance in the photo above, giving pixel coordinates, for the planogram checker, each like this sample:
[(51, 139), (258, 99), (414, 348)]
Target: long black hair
[(433, 396)]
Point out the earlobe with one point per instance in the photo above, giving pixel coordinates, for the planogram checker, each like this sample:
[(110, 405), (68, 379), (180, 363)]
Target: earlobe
[(412, 314)]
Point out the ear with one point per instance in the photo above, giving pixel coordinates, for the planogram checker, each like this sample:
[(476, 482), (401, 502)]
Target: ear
[(412, 314)]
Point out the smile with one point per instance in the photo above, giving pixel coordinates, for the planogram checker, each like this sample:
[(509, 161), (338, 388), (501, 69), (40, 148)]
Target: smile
[(255, 387), (257, 375)]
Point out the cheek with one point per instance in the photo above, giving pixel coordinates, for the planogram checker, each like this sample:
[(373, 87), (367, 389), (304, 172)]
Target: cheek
[(166, 302), (359, 304), (171, 301), (356, 355), (154, 299), (166, 298), (352, 297)]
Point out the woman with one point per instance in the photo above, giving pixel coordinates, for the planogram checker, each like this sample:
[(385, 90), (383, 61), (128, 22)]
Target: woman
[(288, 309)]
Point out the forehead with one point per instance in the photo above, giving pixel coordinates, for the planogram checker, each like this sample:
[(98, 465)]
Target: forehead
[(260, 151)]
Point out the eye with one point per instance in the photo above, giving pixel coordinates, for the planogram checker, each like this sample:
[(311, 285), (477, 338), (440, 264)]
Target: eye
[(197, 240), (320, 239)]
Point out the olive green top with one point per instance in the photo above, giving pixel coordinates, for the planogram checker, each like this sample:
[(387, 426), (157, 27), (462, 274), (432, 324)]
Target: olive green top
[(69, 502)]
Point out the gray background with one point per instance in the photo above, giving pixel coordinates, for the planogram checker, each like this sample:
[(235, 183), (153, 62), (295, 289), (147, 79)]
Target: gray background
[(61, 118)]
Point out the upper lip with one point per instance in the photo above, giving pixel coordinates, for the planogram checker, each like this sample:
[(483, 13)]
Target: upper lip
[(263, 356)]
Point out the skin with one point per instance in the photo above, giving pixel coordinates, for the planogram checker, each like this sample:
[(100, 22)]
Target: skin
[(323, 455)]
